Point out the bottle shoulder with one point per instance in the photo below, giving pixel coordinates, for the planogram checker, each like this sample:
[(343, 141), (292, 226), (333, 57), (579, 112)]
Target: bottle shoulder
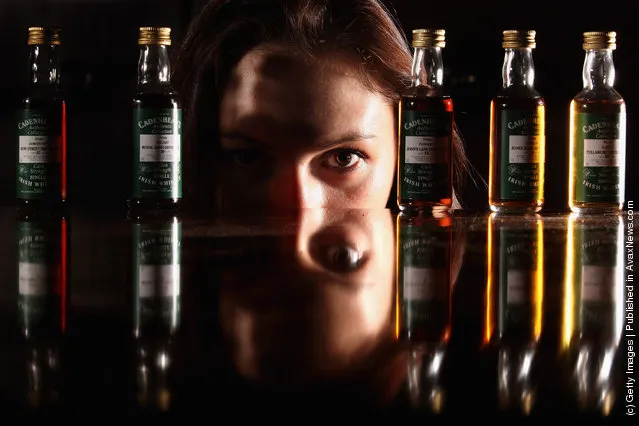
[(41, 97), (422, 91), (604, 94), (157, 98), (521, 92)]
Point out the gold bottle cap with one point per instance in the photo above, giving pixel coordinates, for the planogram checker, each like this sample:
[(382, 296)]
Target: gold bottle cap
[(600, 40), (42, 35), (155, 35), (514, 39), (429, 38)]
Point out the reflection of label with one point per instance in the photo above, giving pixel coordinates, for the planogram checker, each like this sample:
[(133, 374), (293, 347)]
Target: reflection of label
[(39, 273), (157, 250), (38, 164), (424, 275), (597, 277), (157, 153), (522, 154), (425, 157), (600, 157), (518, 277)]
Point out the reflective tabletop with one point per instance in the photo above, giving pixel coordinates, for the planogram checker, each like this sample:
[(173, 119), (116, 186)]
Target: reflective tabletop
[(322, 313)]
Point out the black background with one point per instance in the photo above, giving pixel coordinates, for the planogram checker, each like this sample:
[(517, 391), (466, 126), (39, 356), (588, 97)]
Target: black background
[(99, 59)]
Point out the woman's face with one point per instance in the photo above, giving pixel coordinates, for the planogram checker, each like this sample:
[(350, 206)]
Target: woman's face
[(303, 134)]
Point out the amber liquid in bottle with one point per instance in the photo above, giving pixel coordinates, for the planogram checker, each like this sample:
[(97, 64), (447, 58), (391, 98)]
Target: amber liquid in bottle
[(168, 100), (499, 105), (436, 104), (581, 105)]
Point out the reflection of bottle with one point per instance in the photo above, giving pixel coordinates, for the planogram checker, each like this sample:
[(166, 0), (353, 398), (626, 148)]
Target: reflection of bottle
[(514, 284), (517, 131), (157, 255), (157, 124), (41, 125), (42, 244), (514, 302), (597, 132), (516, 377), (424, 251), (425, 388), (156, 280), (42, 273), (592, 316), (426, 129)]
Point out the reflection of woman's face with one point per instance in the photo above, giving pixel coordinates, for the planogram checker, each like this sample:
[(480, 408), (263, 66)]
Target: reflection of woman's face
[(298, 134), (318, 308)]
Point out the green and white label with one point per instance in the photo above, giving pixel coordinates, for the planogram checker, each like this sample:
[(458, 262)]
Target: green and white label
[(38, 171), (157, 153), (600, 157), (522, 155), (424, 275), (425, 155), (518, 256), (38, 271), (157, 250)]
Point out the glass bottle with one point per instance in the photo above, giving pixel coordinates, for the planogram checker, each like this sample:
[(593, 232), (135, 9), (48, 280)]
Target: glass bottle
[(157, 124), (425, 162), (41, 125), (597, 132), (517, 131)]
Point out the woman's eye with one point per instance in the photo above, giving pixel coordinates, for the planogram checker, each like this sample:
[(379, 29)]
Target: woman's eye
[(246, 157), (344, 159)]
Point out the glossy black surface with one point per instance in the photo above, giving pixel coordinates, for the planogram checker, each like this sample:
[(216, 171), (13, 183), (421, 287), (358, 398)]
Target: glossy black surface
[(325, 313)]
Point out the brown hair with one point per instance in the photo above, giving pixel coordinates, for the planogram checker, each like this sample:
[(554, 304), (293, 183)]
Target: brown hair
[(225, 30)]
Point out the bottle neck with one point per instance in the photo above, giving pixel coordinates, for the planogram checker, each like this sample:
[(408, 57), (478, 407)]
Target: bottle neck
[(45, 69), (518, 68), (599, 69), (154, 68), (428, 67)]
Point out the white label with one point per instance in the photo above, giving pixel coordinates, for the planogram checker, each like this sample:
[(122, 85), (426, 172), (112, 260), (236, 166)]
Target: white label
[(523, 149), (34, 149), (601, 153), (424, 283), (159, 281), (426, 150), (598, 283), (159, 148), (32, 279)]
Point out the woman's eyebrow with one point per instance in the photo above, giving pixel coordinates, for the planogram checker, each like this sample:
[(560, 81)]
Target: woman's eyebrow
[(238, 136), (350, 136)]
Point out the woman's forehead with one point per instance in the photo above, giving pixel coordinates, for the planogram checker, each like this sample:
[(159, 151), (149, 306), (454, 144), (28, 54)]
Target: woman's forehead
[(297, 93)]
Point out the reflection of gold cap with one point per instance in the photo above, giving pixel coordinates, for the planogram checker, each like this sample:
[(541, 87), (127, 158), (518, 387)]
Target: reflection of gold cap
[(514, 39), (42, 35), (600, 40), (155, 35), (429, 38)]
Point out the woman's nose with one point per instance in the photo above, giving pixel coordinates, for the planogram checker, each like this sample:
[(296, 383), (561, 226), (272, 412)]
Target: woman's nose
[(293, 188)]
